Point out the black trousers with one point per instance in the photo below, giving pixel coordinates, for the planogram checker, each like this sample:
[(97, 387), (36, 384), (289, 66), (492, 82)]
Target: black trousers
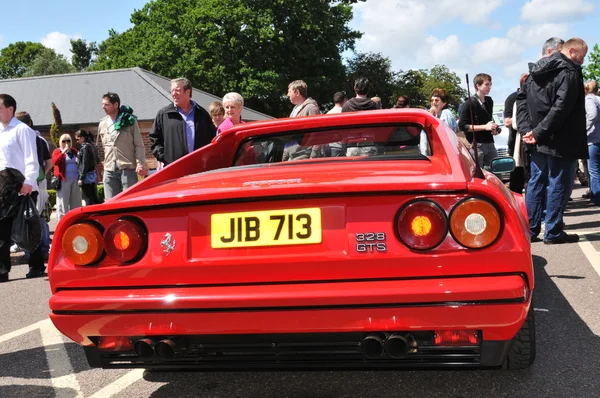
[(90, 194), (36, 259)]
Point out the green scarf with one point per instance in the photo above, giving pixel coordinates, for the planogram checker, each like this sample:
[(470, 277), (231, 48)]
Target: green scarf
[(125, 118)]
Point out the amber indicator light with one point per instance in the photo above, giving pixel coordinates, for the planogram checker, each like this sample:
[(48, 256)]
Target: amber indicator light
[(82, 243), (475, 223)]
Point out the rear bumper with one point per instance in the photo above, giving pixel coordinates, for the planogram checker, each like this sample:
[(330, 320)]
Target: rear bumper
[(494, 305)]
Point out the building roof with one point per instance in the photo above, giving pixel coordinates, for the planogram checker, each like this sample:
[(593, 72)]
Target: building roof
[(78, 96)]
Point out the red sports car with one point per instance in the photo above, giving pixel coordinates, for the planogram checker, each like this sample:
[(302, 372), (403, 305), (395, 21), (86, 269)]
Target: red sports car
[(359, 240)]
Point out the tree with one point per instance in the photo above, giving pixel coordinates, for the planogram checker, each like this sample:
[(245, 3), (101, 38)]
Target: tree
[(376, 68), (48, 62), (254, 47), (441, 77), (418, 85), (591, 70), (56, 125), (17, 57), (410, 84), (82, 53)]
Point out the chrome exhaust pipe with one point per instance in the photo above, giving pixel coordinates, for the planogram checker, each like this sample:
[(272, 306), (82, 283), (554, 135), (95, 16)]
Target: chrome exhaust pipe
[(372, 346), (165, 349), (398, 345), (144, 348)]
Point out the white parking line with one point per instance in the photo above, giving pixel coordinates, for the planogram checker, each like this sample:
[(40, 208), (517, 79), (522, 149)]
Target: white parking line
[(592, 255), (120, 384), (59, 364), (22, 331)]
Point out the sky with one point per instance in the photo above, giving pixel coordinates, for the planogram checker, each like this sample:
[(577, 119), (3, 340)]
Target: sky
[(498, 37)]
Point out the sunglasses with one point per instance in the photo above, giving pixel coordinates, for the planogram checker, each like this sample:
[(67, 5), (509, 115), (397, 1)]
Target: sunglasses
[(435, 100), (65, 141)]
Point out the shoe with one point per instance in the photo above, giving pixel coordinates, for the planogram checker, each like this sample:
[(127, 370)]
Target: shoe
[(535, 239), (15, 248), (566, 238), (587, 195), (35, 274), (3, 278)]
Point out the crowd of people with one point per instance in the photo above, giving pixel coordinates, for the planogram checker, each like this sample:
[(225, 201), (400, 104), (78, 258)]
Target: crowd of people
[(553, 119)]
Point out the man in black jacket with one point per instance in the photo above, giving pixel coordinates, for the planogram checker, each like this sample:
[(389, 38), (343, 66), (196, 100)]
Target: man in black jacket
[(360, 102), (483, 126), (181, 127), (554, 121)]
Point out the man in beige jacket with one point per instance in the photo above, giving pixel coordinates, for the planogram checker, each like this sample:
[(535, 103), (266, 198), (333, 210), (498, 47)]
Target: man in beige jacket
[(124, 151)]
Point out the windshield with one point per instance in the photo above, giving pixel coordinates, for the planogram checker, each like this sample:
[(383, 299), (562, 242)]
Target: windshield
[(356, 143)]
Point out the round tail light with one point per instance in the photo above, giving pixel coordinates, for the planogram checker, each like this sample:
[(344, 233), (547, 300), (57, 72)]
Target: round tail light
[(82, 243), (125, 240), (421, 225), (475, 223)]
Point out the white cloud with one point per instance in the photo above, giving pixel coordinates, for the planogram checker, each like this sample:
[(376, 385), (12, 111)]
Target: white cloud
[(495, 50), (555, 10), (444, 51), (516, 69), (398, 28), (536, 35), (59, 42)]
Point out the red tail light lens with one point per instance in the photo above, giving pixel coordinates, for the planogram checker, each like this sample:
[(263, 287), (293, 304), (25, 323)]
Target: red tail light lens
[(475, 223), (421, 225), (125, 240)]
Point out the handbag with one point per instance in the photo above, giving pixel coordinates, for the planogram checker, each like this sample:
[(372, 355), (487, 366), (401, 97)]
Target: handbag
[(90, 177), (26, 226), (55, 183)]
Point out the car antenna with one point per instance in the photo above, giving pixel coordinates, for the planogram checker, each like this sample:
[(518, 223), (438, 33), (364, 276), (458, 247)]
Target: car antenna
[(478, 171)]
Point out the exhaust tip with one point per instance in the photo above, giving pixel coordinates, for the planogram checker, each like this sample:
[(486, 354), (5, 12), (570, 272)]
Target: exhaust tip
[(143, 348), (165, 349), (372, 346), (397, 346)]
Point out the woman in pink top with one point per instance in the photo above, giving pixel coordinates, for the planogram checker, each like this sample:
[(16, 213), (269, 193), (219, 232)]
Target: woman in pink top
[(233, 104)]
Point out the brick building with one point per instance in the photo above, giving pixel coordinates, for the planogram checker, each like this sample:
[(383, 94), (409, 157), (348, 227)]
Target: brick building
[(78, 96)]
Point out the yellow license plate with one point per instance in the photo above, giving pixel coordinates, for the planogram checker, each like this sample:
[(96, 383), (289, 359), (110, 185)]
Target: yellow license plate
[(266, 228)]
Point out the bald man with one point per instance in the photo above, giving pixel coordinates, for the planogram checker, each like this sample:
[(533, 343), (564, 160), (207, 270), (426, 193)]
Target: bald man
[(556, 127)]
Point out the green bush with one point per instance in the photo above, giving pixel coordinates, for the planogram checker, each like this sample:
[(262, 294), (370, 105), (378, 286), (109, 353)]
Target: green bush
[(52, 197), (100, 189)]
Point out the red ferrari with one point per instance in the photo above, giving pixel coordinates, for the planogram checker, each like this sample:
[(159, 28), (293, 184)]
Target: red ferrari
[(361, 240)]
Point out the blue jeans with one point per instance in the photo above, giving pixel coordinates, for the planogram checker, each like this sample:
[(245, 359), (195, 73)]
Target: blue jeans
[(557, 176), (594, 168)]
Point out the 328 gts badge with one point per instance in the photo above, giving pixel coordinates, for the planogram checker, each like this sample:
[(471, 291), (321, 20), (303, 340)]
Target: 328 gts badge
[(370, 242)]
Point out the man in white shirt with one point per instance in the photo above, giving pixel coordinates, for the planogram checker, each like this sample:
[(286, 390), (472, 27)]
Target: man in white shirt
[(18, 151), (339, 99)]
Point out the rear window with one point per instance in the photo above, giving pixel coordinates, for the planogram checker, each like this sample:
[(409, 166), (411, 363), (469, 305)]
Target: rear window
[(355, 143)]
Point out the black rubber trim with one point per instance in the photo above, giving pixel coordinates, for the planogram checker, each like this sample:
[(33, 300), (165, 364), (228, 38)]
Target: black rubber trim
[(518, 300), (277, 198), (302, 282)]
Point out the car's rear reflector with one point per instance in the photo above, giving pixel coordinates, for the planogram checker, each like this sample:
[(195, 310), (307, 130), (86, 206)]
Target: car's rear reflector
[(114, 343), (475, 223), (82, 243), (456, 337), (421, 225), (125, 240)]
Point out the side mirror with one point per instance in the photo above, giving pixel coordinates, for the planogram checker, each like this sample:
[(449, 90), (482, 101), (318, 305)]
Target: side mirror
[(502, 165)]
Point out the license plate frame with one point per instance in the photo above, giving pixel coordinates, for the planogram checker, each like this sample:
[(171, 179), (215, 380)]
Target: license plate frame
[(281, 227)]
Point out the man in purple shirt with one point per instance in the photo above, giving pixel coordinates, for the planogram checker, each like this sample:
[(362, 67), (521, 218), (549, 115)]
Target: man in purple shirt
[(181, 127)]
